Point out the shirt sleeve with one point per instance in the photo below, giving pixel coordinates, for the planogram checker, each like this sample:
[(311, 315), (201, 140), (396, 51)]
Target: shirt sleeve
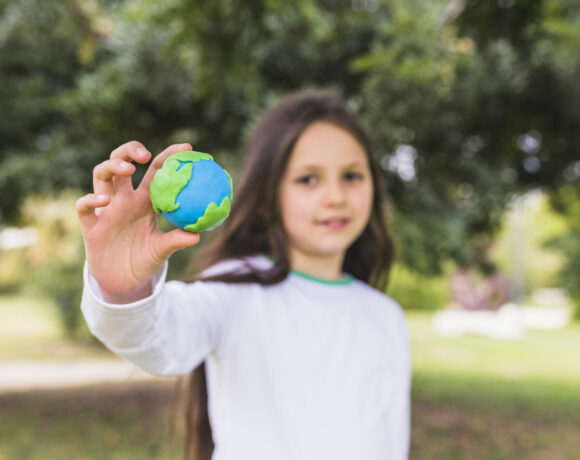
[(168, 333)]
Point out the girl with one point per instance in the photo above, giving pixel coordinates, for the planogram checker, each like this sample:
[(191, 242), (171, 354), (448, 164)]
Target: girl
[(304, 359)]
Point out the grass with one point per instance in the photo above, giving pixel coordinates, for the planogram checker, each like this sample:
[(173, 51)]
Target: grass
[(29, 330), (473, 398), (462, 417), (108, 422), (540, 355), (117, 422)]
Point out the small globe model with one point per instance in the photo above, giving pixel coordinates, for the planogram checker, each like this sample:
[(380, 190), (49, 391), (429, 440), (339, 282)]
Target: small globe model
[(192, 191)]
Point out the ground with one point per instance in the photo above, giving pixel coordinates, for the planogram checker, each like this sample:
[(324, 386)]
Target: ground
[(473, 397)]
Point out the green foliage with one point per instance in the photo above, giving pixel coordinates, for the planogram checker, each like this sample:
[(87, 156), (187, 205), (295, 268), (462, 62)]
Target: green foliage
[(62, 282), (11, 270), (569, 275), (54, 265), (567, 202), (468, 102), (478, 112), (520, 250), (414, 291), (40, 47)]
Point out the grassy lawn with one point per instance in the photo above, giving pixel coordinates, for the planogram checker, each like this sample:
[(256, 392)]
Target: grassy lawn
[(30, 330), (111, 421), (477, 398), (540, 355), (473, 398), (108, 422)]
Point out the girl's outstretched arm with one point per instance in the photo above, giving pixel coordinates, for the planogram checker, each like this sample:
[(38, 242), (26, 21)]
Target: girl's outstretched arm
[(124, 247), (167, 333)]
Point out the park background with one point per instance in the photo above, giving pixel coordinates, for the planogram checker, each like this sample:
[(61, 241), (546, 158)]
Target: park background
[(473, 108)]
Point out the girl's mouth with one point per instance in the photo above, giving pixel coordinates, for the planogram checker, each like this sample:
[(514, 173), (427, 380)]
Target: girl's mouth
[(337, 223)]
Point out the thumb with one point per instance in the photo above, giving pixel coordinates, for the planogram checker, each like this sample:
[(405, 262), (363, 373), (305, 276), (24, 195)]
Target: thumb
[(175, 240)]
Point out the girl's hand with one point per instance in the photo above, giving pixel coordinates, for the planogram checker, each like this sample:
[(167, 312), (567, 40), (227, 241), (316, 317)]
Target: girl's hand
[(124, 246)]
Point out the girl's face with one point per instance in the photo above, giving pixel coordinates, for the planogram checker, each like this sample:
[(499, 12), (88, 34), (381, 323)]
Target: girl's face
[(325, 196)]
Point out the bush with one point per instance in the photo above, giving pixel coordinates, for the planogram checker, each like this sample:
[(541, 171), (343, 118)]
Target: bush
[(414, 291), (569, 244), (11, 269), (62, 282), (566, 201), (54, 265)]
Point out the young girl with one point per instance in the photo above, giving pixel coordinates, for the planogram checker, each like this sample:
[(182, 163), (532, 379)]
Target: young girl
[(305, 360)]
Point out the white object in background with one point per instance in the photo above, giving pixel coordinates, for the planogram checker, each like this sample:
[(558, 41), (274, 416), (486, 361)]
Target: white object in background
[(507, 323), (546, 318), (13, 238)]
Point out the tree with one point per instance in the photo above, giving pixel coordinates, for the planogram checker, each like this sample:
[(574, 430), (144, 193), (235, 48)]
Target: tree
[(567, 202), (468, 102), (471, 109)]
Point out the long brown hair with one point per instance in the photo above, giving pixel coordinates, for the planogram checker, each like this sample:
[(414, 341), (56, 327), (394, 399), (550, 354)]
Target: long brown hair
[(254, 225)]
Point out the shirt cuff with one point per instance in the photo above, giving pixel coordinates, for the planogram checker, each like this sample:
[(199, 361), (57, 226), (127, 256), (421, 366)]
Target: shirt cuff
[(94, 290)]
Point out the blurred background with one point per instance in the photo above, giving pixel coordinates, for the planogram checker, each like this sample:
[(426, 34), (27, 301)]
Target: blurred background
[(473, 107)]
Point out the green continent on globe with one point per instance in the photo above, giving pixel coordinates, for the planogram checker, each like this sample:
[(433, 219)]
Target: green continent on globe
[(170, 180), (213, 216)]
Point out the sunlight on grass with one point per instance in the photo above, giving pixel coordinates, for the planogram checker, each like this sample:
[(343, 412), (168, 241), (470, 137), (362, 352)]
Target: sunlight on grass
[(473, 397), (476, 397), (542, 355), (29, 329), (25, 318)]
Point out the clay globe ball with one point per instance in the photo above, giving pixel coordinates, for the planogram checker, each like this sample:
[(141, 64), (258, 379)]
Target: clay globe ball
[(192, 191)]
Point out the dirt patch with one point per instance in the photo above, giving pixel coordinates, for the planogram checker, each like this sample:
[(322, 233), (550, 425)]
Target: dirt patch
[(455, 432), (130, 421), (108, 421)]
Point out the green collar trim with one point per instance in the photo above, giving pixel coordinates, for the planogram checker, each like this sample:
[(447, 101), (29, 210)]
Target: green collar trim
[(348, 279)]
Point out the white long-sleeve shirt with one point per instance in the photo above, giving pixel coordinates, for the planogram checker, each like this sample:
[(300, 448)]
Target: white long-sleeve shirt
[(302, 370)]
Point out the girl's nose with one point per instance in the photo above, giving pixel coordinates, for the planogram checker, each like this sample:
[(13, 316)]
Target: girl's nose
[(335, 193)]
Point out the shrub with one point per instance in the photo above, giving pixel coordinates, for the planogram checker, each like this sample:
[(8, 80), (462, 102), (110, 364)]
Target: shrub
[(53, 266), (414, 291)]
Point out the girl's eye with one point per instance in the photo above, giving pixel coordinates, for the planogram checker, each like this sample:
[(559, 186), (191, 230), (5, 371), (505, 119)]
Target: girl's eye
[(353, 176), (310, 179)]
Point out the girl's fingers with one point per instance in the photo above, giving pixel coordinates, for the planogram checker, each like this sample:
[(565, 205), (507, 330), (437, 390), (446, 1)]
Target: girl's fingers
[(111, 175), (158, 162), (114, 174), (132, 151), (86, 207), (175, 240)]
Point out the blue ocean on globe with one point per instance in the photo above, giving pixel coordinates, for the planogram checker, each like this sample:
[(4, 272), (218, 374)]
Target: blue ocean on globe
[(207, 184)]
